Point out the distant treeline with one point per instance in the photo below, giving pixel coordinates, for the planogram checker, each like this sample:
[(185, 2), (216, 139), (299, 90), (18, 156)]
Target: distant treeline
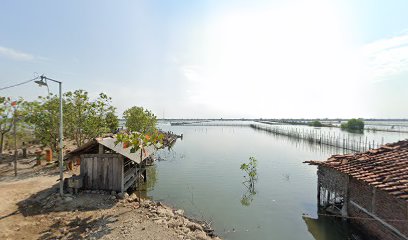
[(285, 119)]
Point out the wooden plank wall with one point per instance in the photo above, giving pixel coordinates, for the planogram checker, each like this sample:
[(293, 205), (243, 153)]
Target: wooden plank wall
[(102, 171)]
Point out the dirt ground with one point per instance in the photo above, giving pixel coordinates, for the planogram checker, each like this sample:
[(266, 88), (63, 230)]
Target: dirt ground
[(32, 209)]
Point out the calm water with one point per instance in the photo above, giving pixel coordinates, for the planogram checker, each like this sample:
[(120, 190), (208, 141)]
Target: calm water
[(202, 175), (378, 136)]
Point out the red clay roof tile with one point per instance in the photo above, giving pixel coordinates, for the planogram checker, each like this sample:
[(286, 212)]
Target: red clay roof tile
[(385, 168)]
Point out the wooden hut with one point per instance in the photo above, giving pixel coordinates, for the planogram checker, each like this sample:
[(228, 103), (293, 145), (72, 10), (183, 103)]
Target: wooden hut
[(107, 166), (370, 189)]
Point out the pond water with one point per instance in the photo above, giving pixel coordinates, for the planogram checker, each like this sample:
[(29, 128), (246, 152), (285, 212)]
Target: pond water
[(380, 137), (201, 174)]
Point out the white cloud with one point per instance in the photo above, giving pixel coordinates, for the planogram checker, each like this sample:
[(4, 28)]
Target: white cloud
[(387, 57), (15, 54)]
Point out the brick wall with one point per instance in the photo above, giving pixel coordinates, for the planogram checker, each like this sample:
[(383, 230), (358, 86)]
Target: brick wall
[(372, 228), (360, 193), (388, 207), (332, 179), (381, 204)]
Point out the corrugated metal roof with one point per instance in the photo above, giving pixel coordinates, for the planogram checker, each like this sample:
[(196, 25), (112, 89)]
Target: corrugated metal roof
[(109, 142), (385, 168)]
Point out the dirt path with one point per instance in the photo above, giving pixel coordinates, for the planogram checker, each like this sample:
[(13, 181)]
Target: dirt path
[(14, 190), (32, 209)]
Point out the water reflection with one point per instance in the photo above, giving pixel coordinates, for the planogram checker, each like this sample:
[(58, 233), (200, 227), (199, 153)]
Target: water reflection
[(145, 187), (328, 227), (151, 178), (169, 155), (248, 197), (201, 175)]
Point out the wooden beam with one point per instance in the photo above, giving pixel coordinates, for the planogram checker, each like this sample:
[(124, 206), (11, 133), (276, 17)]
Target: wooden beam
[(130, 182), (129, 174)]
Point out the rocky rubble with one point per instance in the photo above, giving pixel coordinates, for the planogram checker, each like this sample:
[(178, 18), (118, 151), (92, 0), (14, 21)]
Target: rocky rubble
[(172, 219), (175, 219)]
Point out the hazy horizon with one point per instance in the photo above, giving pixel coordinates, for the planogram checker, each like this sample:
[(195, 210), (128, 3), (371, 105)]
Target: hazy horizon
[(215, 59)]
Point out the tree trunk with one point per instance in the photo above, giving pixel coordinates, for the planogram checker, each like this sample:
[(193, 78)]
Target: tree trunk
[(15, 146), (1, 145)]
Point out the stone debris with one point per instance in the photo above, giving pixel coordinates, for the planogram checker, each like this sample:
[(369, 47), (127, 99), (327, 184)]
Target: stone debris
[(179, 212), (186, 228), (155, 212)]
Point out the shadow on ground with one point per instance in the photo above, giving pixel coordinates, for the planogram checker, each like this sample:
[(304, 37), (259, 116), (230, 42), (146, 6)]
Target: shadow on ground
[(48, 200), (70, 217), (78, 228)]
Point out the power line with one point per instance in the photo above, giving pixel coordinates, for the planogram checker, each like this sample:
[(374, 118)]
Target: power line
[(18, 84)]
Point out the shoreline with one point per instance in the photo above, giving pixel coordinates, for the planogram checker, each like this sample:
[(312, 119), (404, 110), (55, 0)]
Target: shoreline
[(32, 209), (172, 217)]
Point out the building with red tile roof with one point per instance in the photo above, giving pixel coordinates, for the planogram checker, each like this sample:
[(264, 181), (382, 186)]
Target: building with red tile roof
[(370, 189)]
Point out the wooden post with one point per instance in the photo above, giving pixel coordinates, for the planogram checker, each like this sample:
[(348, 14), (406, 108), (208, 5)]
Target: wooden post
[(15, 142), (121, 160), (328, 198), (365, 144), (100, 149), (138, 175), (359, 144), (24, 150)]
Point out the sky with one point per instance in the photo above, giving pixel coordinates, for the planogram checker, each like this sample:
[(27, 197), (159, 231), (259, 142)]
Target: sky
[(215, 58)]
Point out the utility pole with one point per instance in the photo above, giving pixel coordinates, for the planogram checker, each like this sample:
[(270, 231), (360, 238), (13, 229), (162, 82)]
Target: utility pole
[(43, 82)]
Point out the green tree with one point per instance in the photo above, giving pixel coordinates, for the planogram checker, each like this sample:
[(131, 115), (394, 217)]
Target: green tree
[(315, 123), (353, 125), (112, 122), (96, 121), (75, 113), (43, 115), (140, 120), (85, 119), (6, 118)]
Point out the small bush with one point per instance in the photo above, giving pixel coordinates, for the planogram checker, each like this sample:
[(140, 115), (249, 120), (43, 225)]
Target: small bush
[(315, 123), (353, 125)]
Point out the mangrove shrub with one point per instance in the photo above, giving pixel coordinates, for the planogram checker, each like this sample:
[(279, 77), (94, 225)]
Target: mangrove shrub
[(315, 123), (353, 125)]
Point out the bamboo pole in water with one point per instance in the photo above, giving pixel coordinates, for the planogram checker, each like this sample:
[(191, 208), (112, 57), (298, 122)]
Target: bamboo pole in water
[(322, 138)]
